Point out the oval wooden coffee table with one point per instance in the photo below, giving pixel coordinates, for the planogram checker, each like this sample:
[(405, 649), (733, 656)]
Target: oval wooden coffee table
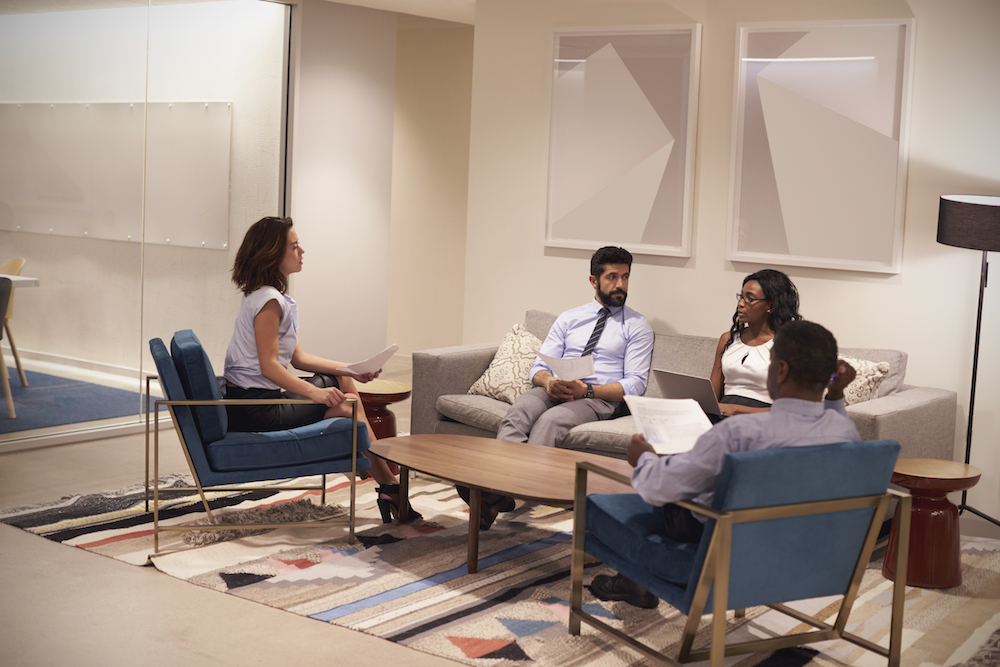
[(530, 472)]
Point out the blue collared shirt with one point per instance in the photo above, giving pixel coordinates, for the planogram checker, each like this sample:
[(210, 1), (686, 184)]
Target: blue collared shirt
[(692, 475), (623, 353)]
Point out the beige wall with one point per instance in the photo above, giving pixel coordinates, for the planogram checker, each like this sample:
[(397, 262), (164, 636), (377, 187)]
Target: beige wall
[(430, 169), (928, 310), (341, 175)]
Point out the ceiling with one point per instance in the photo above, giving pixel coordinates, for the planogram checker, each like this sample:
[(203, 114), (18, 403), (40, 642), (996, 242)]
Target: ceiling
[(459, 11)]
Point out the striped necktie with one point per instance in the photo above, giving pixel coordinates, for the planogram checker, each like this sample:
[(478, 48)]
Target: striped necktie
[(598, 330)]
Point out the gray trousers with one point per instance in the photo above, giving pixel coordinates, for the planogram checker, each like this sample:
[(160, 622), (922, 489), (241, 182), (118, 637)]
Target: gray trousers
[(537, 419)]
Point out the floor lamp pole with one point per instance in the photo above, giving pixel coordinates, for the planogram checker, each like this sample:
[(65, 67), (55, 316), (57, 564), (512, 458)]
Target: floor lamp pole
[(972, 394)]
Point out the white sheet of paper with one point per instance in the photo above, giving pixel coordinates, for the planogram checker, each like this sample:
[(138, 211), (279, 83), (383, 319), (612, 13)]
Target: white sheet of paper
[(671, 425), (574, 368), (374, 364)]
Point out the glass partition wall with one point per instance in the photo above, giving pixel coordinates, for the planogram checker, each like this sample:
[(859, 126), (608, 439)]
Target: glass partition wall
[(138, 141)]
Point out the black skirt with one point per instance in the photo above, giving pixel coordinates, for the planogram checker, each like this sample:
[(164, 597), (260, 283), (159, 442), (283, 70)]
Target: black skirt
[(275, 417)]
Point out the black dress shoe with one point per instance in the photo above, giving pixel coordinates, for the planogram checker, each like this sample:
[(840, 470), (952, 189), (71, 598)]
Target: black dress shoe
[(490, 504), (502, 503), (622, 589)]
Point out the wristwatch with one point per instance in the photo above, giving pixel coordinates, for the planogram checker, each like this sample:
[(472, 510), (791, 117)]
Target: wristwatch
[(590, 391)]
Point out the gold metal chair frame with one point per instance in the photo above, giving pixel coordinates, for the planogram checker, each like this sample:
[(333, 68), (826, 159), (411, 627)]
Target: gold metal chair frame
[(716, 570), (157, 529)]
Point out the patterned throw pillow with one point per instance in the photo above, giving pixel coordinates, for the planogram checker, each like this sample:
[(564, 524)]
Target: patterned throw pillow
[(507, 377), (866, 384)]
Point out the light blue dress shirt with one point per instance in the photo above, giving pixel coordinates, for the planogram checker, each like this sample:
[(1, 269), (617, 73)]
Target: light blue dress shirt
[(623, 353), (692, 475)]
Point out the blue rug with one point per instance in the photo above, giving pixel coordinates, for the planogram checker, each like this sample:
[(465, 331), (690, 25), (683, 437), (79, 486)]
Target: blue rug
[(53, 401)]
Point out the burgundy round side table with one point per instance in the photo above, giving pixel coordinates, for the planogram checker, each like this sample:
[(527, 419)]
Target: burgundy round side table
[(377, 396), (934, 558)]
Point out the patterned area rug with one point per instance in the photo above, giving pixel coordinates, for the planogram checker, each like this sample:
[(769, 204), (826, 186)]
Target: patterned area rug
[(409, 584)]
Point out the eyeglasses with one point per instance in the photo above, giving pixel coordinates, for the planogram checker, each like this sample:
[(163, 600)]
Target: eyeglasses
[(747, 299)]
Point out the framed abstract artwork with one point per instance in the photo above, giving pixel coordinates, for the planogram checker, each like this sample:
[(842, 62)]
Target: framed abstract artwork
[(621, 142), (819, 144)]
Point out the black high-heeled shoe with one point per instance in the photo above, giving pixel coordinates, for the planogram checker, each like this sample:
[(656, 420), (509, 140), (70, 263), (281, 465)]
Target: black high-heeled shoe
[(388, 504)]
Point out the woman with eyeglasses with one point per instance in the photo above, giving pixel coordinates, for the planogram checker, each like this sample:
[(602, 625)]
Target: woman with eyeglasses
[(739, 375)]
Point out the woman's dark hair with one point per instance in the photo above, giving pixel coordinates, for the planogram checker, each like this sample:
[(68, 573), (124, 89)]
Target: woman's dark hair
[(258, 261), (784, 298)]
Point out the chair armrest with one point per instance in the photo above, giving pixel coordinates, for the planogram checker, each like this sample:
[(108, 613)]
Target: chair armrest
[(600, 470), (580, 495), (442, 371), (897, 493), (698, 508), (248, 401)]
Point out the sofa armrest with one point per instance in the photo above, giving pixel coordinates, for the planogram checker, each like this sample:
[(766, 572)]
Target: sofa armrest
[(921, 419), (441, 371)]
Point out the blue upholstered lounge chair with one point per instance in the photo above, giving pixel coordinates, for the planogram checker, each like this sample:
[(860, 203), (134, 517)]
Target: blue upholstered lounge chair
[(785, 525), (219, 458)]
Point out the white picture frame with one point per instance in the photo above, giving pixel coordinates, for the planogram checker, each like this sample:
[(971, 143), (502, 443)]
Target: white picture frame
[(819, 148), (624, 109)]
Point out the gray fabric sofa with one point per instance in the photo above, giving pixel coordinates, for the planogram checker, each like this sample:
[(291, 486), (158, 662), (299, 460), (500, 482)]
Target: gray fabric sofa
[(922, 419)]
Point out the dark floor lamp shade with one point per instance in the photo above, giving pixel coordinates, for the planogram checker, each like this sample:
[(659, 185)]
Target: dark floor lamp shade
[(971, 221)]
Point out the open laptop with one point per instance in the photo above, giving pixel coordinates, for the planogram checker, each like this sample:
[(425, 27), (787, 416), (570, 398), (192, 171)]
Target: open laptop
[(680, 385)]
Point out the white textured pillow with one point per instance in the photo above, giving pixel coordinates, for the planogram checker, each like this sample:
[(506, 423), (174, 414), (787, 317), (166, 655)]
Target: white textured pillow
[(866, 384), (507, 377)]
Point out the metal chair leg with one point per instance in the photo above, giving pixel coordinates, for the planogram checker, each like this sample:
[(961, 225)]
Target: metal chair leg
[(6, 387), (17, 357)]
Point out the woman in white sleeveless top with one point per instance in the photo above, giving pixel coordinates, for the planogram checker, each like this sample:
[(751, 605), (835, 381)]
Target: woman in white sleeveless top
[(739, 375), (265, 342)]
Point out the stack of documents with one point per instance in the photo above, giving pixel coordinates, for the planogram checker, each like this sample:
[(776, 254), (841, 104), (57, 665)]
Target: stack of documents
[(671, 425)]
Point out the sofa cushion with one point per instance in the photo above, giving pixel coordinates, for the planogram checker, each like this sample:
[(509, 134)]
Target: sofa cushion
[(506, 378), (312, 443), (200, 384), (692, 355), (896, 359), (479, 411), (539, 322), (609, 437), (870, 375)]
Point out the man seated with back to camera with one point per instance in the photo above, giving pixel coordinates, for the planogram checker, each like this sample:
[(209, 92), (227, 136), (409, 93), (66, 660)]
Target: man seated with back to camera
[(621, 342), (803, 359)]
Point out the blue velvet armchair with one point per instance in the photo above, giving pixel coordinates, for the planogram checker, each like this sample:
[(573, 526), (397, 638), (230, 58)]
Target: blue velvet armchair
[(219, 458), (785, 525)]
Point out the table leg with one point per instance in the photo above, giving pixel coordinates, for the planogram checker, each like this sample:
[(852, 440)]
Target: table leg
[(404, 494), (475, 504)]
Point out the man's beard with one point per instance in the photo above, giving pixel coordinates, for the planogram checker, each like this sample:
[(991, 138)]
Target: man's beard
[(615, 299)]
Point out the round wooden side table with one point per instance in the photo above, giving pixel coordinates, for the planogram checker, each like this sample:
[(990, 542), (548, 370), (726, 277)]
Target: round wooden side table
[(934, 558), (377, 396)]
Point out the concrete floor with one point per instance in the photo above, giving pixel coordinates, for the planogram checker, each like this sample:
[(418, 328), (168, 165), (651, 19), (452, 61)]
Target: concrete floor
[(64, 606)]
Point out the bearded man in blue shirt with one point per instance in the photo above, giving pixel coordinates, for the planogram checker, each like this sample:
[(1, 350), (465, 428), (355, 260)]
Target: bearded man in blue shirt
[(621, 342)]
